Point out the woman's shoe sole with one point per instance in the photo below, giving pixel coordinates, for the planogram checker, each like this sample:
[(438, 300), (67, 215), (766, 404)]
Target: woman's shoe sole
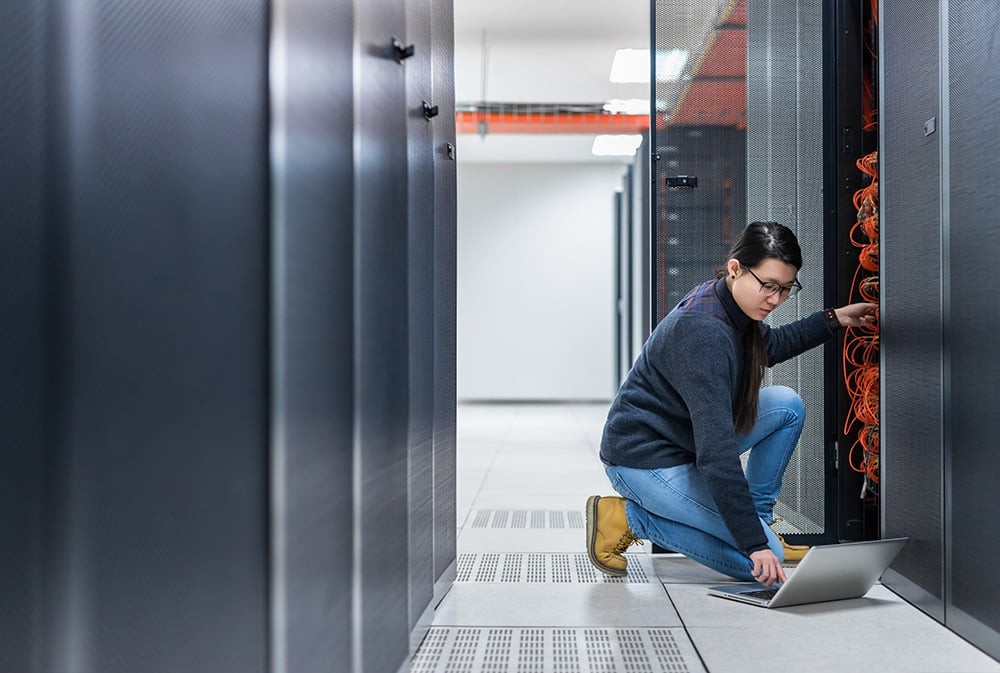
[(591, 539)]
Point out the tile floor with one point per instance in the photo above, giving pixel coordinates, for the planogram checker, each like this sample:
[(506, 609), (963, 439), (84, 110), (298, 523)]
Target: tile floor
[(526, 599)]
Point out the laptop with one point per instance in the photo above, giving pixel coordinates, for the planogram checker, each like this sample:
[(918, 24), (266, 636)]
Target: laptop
[(826, 573)]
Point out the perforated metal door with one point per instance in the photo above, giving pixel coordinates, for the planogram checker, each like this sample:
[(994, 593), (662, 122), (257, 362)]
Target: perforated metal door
[(744, 116)]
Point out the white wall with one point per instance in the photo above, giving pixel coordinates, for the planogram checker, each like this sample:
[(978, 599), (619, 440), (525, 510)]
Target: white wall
[(535, 280)]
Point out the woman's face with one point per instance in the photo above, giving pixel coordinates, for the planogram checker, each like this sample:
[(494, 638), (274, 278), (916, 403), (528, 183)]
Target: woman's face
[(747, 290)]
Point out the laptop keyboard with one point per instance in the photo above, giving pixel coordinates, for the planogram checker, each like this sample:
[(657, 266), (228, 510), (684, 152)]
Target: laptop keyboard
[(763, 593)]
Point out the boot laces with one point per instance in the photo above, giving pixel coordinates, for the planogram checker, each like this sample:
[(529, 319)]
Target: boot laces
[(626, 541)]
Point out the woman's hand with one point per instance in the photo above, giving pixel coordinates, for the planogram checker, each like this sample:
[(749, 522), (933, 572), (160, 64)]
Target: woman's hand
[(857, 315), (766, 567)]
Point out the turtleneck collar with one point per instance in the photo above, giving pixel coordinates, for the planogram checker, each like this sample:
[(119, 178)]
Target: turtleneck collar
[(739, 319)]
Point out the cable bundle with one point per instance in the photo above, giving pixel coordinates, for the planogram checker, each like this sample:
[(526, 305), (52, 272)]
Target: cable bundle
[(861, 356)]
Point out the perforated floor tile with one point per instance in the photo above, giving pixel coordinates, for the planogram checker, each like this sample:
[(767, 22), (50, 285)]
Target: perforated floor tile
[(555, 650), (542, 568), (498, 518)]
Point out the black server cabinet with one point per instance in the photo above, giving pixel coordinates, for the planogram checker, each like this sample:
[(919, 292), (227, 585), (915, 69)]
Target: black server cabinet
[(22, 358), (312, 334), (150, 550), (848, 136), (382, 355), (228, 355), (971, 109), (912, 355), (939, 154), (444, 290)]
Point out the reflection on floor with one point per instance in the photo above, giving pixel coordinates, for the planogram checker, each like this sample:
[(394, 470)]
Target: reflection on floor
[(526, 599)]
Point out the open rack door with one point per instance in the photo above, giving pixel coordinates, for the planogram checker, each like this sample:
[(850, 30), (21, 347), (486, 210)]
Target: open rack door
[(737, 136)]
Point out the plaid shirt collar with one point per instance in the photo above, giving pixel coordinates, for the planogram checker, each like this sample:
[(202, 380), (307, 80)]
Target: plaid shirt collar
[(714, 297)]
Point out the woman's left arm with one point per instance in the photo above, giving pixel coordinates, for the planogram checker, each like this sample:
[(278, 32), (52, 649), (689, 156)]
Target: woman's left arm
[(856, 315), (789, 340)]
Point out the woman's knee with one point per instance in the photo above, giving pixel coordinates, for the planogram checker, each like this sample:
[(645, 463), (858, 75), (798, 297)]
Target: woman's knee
[(782, 397)]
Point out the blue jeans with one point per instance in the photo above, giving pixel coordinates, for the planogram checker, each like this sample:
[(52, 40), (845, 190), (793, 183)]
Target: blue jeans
[(673, 507)]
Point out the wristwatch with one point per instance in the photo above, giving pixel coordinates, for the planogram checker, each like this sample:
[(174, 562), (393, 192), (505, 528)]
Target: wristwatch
[(831, 319)]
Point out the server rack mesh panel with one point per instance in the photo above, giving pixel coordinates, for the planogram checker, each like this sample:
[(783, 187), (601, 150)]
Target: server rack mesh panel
[(745, 118), (785, 178), (912, 357), (970, 337)]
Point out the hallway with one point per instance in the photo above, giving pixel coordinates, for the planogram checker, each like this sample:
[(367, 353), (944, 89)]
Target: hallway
[(527, 600)]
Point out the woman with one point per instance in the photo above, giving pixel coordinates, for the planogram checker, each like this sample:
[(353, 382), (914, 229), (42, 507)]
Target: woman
[(692, 404)]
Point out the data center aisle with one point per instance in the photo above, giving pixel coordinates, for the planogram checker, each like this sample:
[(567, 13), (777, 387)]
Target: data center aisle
[(526, 599)]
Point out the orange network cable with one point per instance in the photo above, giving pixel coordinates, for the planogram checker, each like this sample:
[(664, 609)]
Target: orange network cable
[(863, 387), (860, 352), (869, 463), (861, 344)]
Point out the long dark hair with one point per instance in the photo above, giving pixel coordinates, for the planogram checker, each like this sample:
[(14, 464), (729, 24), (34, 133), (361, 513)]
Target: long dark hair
[(759, 241)]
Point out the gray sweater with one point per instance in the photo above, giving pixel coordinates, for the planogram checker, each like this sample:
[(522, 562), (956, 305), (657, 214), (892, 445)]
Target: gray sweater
[(676, 404)]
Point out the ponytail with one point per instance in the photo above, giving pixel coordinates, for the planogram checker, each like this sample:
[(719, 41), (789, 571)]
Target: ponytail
[(748, 389), (759, 241)]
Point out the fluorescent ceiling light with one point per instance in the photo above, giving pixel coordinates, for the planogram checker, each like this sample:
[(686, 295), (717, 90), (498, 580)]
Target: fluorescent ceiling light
[(616, 146), (631, 66), (632, 106), (670, 64)]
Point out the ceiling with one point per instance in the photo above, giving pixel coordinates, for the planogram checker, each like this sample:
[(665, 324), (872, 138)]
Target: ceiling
[(556, 51)]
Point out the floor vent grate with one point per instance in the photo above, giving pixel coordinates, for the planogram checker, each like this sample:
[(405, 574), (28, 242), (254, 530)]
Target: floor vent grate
[(555, 650), (501, 518), (540, 568)]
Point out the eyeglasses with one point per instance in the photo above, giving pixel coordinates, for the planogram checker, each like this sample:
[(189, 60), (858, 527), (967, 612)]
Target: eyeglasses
[(770, 288)]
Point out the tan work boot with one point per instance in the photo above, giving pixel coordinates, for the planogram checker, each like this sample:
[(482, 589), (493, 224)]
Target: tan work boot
[(793, 552), (608, 535)]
